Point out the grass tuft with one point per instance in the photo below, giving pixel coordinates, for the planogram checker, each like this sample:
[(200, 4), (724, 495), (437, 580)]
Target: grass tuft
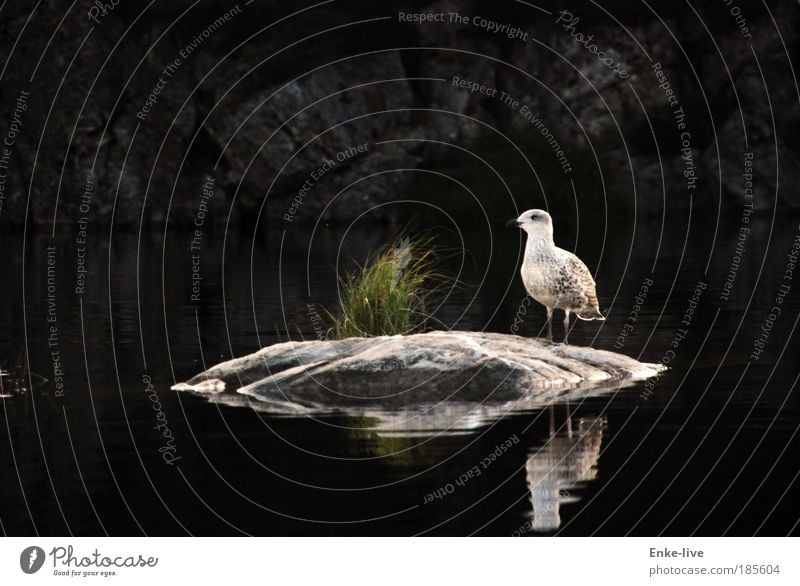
[(389, 294)]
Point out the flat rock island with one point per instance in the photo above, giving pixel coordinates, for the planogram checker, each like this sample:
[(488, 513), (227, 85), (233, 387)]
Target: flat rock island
[(398, 372)]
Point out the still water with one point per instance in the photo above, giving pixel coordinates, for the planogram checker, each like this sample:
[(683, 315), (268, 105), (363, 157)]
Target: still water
[(709, 449)]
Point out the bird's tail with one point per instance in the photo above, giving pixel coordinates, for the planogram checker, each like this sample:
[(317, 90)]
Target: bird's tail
[(590, 313)]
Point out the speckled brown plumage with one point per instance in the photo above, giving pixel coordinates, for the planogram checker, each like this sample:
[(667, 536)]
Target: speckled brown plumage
[(553, 276)]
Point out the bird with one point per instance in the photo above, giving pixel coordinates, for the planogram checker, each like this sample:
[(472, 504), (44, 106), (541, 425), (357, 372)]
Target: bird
[(554, 277)]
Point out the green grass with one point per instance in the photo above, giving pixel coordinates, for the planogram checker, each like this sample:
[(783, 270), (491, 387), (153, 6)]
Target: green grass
[(390, 293)]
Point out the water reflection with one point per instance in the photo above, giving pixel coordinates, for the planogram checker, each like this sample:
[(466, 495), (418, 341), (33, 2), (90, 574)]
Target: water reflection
[(420, 420), (18, 379), (108, 428), (555, 470), (564, 456)]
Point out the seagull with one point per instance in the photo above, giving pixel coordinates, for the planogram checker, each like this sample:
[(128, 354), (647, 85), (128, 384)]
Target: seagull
[(555, 277)]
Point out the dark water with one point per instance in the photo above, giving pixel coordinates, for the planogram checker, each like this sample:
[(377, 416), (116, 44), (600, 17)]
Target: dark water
[(711, 449)]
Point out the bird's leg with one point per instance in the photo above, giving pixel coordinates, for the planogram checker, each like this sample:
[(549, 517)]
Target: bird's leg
[(549, 324), (566, 325), (569, 422)]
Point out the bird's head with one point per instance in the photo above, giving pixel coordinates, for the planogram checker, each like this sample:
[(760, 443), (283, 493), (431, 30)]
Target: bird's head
[(536, 223)]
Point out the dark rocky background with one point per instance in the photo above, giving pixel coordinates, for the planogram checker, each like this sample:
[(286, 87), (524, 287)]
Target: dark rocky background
[(243, 107)]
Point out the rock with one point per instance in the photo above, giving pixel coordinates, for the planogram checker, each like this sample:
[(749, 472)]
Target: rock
[(284, 135), (662, 182), (362, 86), (398, 372)]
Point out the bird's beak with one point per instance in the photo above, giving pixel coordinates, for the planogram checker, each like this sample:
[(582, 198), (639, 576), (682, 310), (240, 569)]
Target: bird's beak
[(511, 223)]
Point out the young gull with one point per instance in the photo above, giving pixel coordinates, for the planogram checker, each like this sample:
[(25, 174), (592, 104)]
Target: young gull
[(555, 277)]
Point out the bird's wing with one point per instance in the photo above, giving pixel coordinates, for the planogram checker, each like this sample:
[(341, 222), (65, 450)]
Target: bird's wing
[(579, 274)]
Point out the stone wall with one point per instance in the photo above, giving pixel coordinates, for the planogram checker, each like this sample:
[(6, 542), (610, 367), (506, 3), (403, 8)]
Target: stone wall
[(279, 107)]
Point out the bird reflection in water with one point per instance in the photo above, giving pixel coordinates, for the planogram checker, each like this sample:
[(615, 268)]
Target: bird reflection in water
[(567, 459)]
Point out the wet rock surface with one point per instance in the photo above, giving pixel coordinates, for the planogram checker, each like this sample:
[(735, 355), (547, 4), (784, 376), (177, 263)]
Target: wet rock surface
[(438, 367)]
